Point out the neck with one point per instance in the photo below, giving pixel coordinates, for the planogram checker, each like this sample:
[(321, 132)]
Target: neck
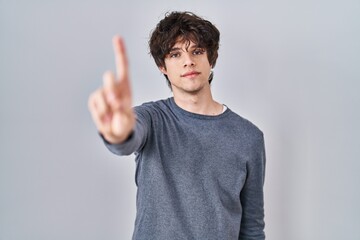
[(198, 103)]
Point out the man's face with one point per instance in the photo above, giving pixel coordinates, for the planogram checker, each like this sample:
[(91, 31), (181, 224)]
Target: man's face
[(187, 67)]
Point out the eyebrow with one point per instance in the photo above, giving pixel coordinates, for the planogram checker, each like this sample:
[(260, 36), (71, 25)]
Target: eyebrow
[(178, 48)]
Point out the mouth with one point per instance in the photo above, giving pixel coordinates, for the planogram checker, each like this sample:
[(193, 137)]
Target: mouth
[(190, 74)]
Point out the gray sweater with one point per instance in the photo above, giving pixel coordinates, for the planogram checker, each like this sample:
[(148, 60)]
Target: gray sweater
[(198, 177)]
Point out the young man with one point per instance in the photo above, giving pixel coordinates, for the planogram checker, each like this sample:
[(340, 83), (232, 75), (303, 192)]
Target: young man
[(199, 166)]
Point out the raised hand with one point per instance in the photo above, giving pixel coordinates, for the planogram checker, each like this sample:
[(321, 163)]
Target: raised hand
[(111, 105)]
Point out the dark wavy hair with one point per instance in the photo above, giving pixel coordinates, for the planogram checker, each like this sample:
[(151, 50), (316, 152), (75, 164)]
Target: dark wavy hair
[(188, 27)]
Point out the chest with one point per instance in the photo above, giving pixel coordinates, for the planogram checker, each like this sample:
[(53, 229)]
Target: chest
[(205, 155)]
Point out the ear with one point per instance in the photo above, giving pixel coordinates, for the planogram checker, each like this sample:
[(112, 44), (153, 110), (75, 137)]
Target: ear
[(163, 70)]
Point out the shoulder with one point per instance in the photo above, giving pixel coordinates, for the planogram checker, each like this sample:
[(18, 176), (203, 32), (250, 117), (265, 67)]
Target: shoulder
[(246, 137), (153, 109), (153, 106), (244, 127)]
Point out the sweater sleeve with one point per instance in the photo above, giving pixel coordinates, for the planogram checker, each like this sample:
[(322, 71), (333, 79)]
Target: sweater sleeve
[(138, 137), (252, 196)]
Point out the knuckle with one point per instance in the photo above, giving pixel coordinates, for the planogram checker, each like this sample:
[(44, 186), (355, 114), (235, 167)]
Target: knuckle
[(107, 74), (93, 99)]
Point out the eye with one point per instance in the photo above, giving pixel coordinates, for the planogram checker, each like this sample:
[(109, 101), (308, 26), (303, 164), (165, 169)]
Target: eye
[(198, 51), (174, 54)]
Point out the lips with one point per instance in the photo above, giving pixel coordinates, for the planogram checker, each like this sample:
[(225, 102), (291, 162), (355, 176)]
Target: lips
[(190, 74)]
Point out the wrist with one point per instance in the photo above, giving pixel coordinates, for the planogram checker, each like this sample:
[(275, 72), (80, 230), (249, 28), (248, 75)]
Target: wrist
[(117, 140)]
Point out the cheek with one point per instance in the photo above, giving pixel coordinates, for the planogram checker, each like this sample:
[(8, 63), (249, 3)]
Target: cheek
[(170, 68)]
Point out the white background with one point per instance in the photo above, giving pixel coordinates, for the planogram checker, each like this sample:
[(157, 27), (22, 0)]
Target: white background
[(291, 67)]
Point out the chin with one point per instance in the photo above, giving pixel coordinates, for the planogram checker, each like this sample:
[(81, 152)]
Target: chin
[(194, 90)]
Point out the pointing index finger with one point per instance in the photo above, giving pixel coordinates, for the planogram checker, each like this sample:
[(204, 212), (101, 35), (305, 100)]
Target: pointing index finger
[(120, 58)]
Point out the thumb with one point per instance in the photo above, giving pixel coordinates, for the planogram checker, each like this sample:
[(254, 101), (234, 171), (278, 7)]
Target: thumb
[(122, 123)]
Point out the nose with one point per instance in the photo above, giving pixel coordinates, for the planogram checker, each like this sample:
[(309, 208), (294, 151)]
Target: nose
[(188, 59)]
